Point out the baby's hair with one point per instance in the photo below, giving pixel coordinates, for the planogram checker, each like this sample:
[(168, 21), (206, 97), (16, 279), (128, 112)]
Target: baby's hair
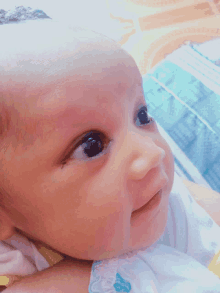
[(21, 13)]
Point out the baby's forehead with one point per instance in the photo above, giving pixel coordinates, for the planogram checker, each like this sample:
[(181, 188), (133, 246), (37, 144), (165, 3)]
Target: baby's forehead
[(47, 40), (39, 34), (41, 51), (37, 55)]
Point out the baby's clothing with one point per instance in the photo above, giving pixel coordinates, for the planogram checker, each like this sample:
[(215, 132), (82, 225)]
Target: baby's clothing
[(159, 269), (176, 263), (20, 257), (181, 260)]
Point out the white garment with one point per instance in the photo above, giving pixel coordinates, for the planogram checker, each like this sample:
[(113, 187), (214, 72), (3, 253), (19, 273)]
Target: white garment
[(19, 256), (176, 263)]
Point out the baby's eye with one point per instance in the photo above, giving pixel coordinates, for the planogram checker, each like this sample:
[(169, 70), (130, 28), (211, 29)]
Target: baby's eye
[(92, 145), (143, 117)]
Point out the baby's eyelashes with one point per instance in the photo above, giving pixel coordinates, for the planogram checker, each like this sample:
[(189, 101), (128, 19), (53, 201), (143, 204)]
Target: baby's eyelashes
[(143, 117), (92, 145), (95, 143)]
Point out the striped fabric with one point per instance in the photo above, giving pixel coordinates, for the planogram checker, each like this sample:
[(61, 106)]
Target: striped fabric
[(183, 95)]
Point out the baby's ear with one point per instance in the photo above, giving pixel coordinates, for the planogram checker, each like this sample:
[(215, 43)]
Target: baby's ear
[(7, 228)]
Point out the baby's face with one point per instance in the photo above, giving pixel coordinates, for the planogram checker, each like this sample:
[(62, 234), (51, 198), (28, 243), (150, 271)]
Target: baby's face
[(89, 157)]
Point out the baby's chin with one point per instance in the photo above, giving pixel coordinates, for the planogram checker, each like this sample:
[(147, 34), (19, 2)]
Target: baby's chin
[(129, 250), (122, 253)]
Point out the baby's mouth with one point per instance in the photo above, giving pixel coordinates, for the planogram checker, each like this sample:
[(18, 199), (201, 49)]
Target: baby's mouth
[(153, 202)]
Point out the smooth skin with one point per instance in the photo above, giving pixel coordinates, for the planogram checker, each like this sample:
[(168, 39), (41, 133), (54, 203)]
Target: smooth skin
[(47, 99), (83, 208), (58, 86)]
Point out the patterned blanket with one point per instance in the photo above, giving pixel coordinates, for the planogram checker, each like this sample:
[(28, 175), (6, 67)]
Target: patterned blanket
[(183, 95)]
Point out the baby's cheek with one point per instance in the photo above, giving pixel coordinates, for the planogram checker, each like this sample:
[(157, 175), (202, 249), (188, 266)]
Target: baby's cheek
[(111, 235), (168, 163)]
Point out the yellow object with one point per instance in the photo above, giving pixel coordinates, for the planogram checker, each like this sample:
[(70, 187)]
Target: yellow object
[(4, 281), (50, 255), (214, 265), (9, 280)]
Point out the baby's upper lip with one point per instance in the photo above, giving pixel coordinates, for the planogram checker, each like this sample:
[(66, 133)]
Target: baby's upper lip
[(145, 202), (161, 187)]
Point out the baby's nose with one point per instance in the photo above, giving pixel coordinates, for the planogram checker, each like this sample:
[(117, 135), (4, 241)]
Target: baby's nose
[(148, 155)]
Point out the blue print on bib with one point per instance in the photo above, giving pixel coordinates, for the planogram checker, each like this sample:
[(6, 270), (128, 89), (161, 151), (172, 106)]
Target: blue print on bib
[(121, 285)]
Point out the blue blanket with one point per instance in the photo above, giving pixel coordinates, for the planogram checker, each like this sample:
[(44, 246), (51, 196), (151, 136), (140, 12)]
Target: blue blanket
[(183, 95)]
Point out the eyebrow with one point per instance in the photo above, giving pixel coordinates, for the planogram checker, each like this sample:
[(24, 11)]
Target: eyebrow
[(77, 119), (5, 120), (20, 132)]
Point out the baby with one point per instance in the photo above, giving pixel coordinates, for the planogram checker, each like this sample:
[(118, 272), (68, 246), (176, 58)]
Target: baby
[(84, 169)]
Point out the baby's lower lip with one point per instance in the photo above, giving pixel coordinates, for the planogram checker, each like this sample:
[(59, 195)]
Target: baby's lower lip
[(150, 205)]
